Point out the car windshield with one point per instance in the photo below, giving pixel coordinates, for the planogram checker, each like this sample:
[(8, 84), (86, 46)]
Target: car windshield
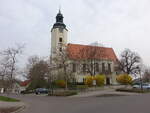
[(137, 84), (145, 84), (40, 89)]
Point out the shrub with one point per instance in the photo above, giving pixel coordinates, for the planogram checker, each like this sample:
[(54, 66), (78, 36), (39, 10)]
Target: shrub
[(60, 83), (88, 80), (124, 79), (100, 80), (80, 83), (71, 86), (82, 87)]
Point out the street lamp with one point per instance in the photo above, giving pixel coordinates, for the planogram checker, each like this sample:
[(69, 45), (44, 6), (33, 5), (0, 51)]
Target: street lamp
[(141, 81), (51, 80)]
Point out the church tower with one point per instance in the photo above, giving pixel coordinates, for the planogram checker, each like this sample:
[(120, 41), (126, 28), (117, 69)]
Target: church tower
[(58, 35)]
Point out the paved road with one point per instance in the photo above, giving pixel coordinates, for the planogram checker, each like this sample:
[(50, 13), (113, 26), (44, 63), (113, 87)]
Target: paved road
[(120, 104)]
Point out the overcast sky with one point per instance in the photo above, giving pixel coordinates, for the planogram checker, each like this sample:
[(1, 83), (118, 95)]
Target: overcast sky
[(118, 24)]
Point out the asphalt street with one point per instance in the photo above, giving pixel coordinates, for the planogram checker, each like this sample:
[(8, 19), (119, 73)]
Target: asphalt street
[(118, 104)]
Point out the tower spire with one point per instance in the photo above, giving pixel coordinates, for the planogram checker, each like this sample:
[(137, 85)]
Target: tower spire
[(59, 20), (59, 8)]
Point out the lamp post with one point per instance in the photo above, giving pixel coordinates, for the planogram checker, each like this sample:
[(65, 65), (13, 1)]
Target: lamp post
[(141, 81), (49, 80)]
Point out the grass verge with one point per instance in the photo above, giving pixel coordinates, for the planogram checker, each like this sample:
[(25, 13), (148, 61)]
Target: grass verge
[(8, 99)]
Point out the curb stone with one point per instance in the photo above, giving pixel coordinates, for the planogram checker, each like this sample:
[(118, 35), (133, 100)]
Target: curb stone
[(20, 109)]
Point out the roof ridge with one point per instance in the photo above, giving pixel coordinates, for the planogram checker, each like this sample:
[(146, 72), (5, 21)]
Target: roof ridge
[(89, 45)]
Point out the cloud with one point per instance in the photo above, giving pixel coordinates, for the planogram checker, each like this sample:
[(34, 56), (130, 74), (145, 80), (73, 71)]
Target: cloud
[(116, 23)]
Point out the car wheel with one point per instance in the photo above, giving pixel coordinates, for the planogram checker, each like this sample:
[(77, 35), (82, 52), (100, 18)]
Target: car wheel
[(148, 88), (37, 93)]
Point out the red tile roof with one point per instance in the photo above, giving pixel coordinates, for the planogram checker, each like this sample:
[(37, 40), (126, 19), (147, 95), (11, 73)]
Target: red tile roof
[(81, 52), (25, 83)]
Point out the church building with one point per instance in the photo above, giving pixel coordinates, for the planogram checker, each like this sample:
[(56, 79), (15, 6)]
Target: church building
[(84, 59)]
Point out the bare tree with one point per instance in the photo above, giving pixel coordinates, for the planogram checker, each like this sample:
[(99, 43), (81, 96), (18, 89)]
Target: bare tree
[(10, 56), (8, 62), (146, 76), (4, 67), (129, 62), (38, 74), (63, 64), (32, 61)]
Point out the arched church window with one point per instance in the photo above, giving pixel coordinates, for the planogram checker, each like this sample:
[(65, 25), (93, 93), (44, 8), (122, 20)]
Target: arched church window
[(74, 67), (97, 67), (103, 67), (60, 19), (109, 67), (60, 49), (84, 67), (60, 39)]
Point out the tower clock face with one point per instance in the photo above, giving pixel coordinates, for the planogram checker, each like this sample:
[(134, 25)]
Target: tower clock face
[(61, 30)]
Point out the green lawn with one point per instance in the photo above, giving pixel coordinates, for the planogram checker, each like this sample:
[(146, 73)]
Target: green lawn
[(7, 99)]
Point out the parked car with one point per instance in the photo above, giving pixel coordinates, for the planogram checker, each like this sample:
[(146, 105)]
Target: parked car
[(144, 85), (41, 91), (27, 91)]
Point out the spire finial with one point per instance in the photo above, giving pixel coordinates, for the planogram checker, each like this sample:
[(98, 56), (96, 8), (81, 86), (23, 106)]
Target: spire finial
[(59, 8)]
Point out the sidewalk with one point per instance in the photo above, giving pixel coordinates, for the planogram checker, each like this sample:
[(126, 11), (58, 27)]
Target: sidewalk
[(11, 104)]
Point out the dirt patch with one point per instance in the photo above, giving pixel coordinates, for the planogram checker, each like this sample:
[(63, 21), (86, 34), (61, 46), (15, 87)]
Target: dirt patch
[(110, 95)]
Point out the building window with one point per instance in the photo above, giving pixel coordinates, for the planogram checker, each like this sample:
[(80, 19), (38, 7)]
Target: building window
[(109, 67), (84, 67), (60, 19), (103, 67), (60, 39), (60, 65), (60, 49), (74, 67), (97, 67), (61, 30), (107, 81)]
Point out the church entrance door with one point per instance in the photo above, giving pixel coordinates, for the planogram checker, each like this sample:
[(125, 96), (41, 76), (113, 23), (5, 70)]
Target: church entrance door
[(107, 81)]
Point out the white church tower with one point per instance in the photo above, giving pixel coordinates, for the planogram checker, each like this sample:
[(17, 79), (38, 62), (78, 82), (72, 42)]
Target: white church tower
[(58, 35)]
